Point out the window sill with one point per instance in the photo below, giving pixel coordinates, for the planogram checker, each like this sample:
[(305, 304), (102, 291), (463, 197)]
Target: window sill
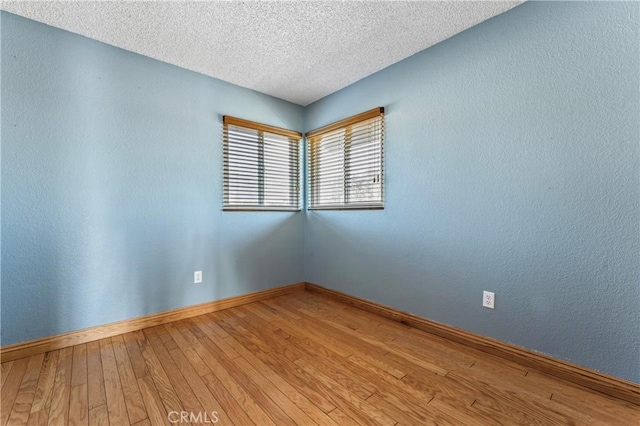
[(260, 209), (347, 208)]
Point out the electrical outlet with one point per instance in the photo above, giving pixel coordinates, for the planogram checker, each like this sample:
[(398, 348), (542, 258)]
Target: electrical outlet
[(488, 299), (197, 277)]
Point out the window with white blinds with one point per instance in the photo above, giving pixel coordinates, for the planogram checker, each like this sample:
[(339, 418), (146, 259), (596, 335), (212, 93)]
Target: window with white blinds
[(346, 163), (261, 166)]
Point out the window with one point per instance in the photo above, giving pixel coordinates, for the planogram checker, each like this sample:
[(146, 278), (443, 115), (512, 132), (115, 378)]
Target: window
[(346, 163), (261, 166)]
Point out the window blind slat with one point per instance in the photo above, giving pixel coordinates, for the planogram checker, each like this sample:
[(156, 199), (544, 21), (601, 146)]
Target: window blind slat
[(243, 152), (357, 167), (235, 163), (273, 187)]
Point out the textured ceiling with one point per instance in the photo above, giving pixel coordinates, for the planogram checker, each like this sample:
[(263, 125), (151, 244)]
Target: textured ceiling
[(299, 51)]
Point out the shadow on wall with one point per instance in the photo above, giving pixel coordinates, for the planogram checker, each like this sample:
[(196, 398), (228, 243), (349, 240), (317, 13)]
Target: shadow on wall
[(36, 289), (235, 260), (443, 279), (261, 257), (342, 256), (127, 275)]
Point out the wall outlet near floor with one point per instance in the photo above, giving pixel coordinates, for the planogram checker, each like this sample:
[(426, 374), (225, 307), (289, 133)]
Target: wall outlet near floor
[(197, 277), (488, 299)]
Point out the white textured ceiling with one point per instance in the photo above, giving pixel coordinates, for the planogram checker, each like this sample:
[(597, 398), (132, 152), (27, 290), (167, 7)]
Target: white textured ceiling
[(300, 51)]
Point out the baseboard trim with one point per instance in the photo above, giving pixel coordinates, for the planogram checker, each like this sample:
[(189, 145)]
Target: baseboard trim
[(34, 347), (606, 384)]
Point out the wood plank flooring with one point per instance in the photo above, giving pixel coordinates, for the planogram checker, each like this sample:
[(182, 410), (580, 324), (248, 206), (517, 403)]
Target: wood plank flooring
[(295, 359)]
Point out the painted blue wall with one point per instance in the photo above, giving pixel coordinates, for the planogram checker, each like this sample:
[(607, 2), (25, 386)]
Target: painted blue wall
[(512, 165), (111, 187)]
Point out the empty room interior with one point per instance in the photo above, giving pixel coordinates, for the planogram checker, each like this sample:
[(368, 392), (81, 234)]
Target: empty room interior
[(320, 212)]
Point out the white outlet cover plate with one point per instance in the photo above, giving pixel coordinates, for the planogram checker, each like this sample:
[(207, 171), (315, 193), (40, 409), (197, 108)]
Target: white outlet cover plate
[(488, 299), (197, 277)]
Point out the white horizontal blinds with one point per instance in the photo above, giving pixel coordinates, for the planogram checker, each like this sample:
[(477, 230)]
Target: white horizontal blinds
[(327, 169), (261, 169), (281, 172), (364, 159), (346, 163)]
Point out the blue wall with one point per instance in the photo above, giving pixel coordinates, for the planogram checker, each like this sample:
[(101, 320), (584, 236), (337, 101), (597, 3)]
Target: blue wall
[(512, 165), (512, 159), (111, 187)]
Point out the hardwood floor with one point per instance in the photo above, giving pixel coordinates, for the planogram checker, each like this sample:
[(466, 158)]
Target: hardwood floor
[(295, 359)]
